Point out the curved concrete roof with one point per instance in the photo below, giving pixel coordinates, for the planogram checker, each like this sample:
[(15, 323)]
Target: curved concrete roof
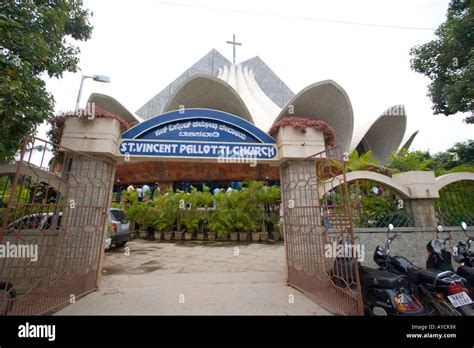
[(406, 144), (110, 104), (385, 135), (326, 101), (208, 92), (444, 180), (242, 79)]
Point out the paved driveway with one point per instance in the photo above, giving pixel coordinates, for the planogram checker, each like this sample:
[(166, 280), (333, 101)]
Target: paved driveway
[(195, 278)]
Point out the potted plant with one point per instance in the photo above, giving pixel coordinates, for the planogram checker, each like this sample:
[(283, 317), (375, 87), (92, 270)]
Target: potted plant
[(190, 219), (165, 216), (132, 213), (203, 201), (202, 224), (274, 221), (217, 226), (140, 220), (255, 233), (211, 236), (145, 220)]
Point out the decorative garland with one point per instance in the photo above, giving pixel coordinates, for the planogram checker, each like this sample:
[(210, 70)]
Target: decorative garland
[(303, 123)]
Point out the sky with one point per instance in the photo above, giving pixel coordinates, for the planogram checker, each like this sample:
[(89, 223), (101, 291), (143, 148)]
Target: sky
[(143, 45)]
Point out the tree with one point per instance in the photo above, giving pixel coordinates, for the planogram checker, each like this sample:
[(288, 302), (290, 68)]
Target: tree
[(448, 61), (34, 41), (464, 151), (404, 161), (460, 157)]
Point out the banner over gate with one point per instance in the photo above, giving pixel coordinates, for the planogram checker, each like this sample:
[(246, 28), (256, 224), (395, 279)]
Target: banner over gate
[(197, 133)]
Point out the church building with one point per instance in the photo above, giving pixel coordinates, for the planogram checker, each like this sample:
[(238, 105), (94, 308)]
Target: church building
[(251, 91)]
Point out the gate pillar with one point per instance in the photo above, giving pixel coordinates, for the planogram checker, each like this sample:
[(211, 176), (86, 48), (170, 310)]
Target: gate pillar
[(423, 190), (91, 167), (299, 186), (313, 223)]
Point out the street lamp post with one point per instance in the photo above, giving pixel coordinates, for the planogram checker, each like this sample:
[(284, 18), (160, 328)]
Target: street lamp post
[(98, 78)]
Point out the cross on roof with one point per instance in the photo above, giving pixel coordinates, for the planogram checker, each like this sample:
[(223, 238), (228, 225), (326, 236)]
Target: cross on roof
[(234, 43)]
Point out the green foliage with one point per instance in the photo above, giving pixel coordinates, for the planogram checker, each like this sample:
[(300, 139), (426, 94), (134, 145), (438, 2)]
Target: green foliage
[(129, 197), (462, 168), (133, 211), (361, 162), (251, 209), (166, 213), (459, 158), (36, 40), (404, 161), (461, 154), (448, 61)]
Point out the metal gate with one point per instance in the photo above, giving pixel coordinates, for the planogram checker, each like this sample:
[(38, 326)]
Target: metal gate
[(53, 210), (319, 233), (455, 204)]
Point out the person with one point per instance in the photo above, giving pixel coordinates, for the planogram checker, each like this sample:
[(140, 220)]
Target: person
[(140, 194)]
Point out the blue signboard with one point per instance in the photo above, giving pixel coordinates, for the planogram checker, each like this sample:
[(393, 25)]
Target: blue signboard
[(198, 133)]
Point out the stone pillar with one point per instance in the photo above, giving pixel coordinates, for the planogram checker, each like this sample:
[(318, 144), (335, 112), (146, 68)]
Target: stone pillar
[(423, 190), (299, 197), (90, 160), (298, 173)]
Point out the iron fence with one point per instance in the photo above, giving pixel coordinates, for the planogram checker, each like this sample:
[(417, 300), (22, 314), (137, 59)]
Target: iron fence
[(455, 204)]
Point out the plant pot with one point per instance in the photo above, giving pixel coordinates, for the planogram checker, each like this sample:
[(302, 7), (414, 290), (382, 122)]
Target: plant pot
[(200, 236), (211, 236), (168, 235), (188, 235), (243, 236), (178, 235), (276, 236), (158, 235), (263, 236), (255, 236), (234, 236), (133, 234), (143, 234)]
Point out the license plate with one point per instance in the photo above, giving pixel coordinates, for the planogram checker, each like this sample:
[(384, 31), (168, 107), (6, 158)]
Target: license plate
[(460, 299)]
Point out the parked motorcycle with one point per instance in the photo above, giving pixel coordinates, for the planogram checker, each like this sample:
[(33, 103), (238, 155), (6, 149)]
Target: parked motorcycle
[(440, 259), (442, 292), (383, 293), (463, 255)]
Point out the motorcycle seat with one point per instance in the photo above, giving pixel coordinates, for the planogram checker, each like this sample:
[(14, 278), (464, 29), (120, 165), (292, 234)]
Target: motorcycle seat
[(427, 276), (371, 277)]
